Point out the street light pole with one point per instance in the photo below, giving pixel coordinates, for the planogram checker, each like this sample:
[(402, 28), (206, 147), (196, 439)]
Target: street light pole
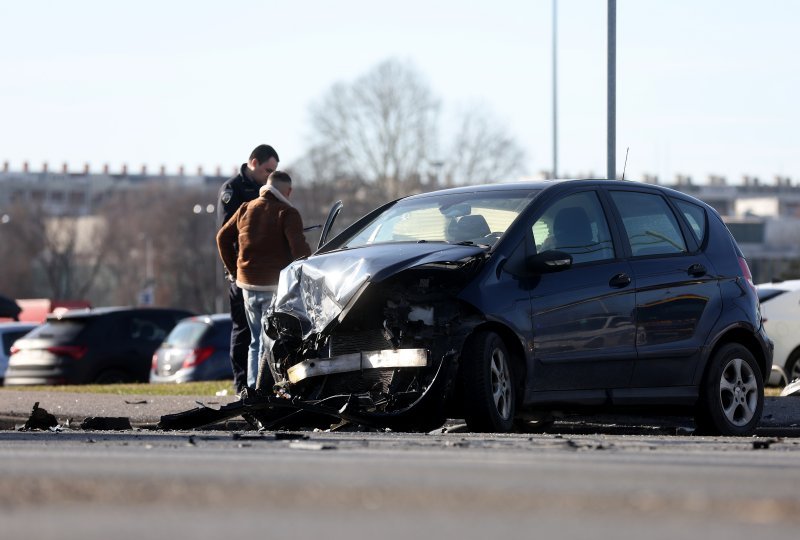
[(555, 93), (611, 172)]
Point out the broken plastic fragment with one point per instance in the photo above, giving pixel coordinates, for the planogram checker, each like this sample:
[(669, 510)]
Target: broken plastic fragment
[(792, 389), (109, 423), (40, 419)]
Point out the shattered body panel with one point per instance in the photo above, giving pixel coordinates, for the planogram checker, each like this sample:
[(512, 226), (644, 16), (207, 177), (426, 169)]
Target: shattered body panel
[(401, 343), (316, 291)]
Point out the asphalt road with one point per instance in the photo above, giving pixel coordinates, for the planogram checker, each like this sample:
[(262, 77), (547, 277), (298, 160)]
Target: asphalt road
[(148, 484), (600, 477)]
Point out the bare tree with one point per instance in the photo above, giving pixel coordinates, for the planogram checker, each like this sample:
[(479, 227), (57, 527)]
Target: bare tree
[(167, 244), (483, 150), (383, 125), (18, 248), (65, 253)]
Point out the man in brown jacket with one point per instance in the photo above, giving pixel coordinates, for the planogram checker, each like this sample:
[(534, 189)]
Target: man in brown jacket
[(269, 232)]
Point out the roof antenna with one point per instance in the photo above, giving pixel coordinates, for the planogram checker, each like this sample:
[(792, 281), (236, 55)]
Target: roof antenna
[(626, 162)]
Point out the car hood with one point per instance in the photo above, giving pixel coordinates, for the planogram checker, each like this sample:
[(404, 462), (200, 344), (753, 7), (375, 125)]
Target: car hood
[(318, 289)]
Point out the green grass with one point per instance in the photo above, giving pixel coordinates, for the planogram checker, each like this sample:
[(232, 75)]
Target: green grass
[(207, 388)]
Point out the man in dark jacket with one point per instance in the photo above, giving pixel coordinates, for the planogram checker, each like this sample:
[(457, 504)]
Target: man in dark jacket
[(238, 190)]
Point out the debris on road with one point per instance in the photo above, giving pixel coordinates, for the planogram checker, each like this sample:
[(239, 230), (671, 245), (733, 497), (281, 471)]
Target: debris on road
[(40, 419), (274, 412), (792, 389), (764, 444), (107, 423)]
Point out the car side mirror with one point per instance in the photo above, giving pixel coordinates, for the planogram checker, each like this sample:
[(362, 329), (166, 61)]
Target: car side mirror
[(549, 261)]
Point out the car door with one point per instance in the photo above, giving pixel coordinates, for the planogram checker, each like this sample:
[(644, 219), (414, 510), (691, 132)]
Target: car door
[(583, 325), (677, 295)]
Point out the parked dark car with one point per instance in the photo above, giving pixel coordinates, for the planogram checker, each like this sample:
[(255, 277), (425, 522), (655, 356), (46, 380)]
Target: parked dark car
[(197, 349), (9, 333), (484, 302), (105, 345)]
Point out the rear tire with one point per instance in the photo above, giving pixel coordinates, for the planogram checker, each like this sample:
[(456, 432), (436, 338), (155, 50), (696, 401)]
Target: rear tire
[(792, 367), (732, 393), (488, 386)]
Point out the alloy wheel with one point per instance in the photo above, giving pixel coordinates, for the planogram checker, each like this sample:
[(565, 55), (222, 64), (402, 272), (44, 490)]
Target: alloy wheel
[(738, 392), (501, 383)]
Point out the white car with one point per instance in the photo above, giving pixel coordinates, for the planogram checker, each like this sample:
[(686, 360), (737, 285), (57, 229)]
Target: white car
[(780, 310), (9, 333)]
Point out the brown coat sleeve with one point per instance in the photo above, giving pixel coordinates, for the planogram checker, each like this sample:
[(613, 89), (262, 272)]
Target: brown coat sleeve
[(293, 230), (226, 240)]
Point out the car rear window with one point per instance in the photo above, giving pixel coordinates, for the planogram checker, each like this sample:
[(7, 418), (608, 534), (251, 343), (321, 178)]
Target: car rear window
[(765, 293), (650, 224), (62, 330), (186, 334), (696, 218)]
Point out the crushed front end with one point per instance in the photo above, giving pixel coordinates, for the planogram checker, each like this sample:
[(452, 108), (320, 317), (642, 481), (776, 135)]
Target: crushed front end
[(381, 345)]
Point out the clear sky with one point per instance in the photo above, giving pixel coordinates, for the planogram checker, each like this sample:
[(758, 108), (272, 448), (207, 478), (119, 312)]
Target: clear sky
[(703, 86)]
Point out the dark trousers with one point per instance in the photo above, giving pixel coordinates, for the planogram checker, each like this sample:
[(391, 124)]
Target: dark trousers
[(240, 338)]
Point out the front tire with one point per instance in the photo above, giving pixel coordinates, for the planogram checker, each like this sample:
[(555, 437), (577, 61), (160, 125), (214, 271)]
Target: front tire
[(488, 384), (732, 393)]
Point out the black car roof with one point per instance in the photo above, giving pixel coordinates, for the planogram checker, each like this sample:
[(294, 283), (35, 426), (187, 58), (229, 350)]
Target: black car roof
[(97, 312), (549, 184)]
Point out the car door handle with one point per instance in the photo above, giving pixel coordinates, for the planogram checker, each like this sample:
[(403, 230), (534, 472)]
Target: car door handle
[(620, 280), (697, 270)]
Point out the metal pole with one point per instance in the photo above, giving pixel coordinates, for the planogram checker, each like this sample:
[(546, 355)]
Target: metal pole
[(555, 92), (612, 89)]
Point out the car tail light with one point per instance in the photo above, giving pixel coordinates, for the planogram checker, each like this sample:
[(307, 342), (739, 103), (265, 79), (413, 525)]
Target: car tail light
[(198, 356), (746, 273), (73, 351), (14, 349), (154, 362)]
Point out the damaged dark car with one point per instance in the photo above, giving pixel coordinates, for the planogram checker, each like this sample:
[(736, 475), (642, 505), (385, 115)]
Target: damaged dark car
[(487, 302)]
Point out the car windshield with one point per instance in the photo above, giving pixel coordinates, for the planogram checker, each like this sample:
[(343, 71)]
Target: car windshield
[(186, 334), (479, 217)]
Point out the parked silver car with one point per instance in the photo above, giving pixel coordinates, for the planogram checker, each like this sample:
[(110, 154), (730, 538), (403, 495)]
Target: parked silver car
[(197, 349)]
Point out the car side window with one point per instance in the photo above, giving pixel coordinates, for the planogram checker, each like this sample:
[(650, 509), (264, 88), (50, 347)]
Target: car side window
[(650, 224), (576, 225), (696, 218), (146, 330)]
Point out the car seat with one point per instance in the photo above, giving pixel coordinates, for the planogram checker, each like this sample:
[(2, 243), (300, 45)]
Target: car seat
[(467, 228)]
